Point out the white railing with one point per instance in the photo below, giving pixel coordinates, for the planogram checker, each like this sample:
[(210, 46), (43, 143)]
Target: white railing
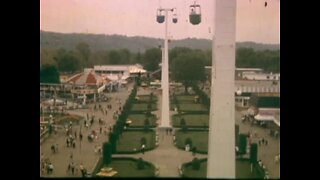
[(258, 89)]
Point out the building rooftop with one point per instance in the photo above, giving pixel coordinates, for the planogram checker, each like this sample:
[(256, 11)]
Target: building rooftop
[(87, 77)]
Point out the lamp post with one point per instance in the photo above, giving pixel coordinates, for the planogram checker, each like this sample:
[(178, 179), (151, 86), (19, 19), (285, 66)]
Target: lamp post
[(165, 118)]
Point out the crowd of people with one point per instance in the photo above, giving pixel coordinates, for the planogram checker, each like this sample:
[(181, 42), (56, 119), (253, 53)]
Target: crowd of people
[(74, 137)]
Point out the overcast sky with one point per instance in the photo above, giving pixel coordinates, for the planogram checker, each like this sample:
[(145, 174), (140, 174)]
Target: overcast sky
[(138, 18)]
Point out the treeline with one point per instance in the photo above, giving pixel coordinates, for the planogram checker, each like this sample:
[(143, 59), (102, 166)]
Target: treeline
[(97, 42), (83, 57), (267, 60)]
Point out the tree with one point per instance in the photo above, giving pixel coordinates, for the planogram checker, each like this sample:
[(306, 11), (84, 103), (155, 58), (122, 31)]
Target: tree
[(114, 57), (151, 59), (237, 133), (84, 51), (49, 74), (254, 153), (125, 56), (66, 61), (113, 141), (267, 59), (46, 56), (173, 53), (138, 58), (107, 153), (242, 143), (188, 68)]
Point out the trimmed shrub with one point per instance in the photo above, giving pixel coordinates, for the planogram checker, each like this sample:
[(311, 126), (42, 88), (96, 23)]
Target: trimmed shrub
[(254, 153), (242, 143), (107, 153), (143, 140), (237, 133), (195, 164), (188, 141), (140, 164)]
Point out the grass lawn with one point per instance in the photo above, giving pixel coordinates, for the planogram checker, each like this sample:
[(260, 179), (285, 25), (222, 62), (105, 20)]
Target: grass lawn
[(143, 107), (185, 98), (128, 168), (200, 120), (146, 98), (130, 140), (138, 119), (242, 171), (192, 107), (199, 140)]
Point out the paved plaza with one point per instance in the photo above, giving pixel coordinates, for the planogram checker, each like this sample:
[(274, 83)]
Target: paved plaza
[(166, 157), (85, 151)]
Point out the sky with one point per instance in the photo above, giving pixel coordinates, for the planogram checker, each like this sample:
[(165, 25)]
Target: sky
[(254, 21)]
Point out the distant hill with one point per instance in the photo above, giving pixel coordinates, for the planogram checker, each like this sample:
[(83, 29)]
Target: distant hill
[(134, 44)]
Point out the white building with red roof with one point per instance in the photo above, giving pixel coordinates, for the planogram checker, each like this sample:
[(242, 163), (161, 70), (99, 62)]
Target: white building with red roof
[(87, 83)]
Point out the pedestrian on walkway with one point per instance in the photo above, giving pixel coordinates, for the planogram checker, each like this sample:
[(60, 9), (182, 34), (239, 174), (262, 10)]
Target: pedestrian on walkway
[(72, 168), (53, 149), (105, 130), (82, 169), (56, 147), (143, 148), (80, 136), (100, 130), (50, 167)]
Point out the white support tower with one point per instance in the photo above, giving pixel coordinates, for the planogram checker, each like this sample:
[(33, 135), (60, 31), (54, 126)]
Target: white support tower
[(165, 118), (221, 153)]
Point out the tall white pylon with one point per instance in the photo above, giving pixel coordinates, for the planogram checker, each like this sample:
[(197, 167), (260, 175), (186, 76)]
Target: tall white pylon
[(221, 152)]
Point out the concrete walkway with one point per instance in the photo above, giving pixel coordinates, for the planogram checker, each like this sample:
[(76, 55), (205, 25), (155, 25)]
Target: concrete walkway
[(166, 156), (266, 153), (84, 151)]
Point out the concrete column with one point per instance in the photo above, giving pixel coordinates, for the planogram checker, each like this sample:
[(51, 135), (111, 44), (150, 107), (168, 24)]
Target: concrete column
[(165, 118), (221, 154), (162, 67)]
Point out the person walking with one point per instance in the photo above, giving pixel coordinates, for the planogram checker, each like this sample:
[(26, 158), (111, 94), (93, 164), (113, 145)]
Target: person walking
[(56, 147), (72, 166), (50, 167), (143, 148), (53, 149), (82, 170), (80, 136)]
